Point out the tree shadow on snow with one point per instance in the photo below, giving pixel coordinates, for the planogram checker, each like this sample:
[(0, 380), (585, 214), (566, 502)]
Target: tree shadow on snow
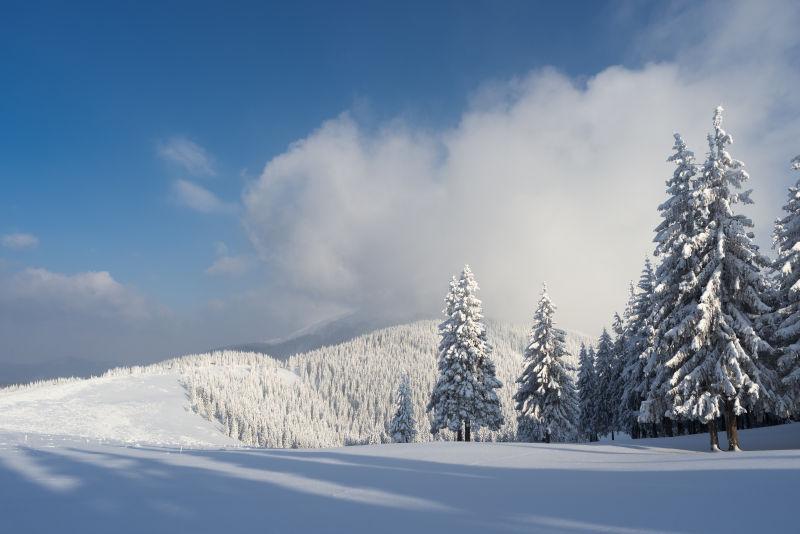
[(161, 490)]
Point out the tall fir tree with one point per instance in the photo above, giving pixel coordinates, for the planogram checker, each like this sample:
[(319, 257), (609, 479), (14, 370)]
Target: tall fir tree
[(546, 400), (605, 366), (715, 367), (464, 396), (620, 341), (403, 427), (638, 342), (676, 237), (587, 395), (787, 335)]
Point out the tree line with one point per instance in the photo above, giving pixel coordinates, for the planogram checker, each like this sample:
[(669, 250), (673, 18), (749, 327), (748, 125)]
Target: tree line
[(710, 335)]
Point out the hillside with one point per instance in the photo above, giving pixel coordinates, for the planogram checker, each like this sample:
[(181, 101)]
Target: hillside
[(346, 391), (334, 395)]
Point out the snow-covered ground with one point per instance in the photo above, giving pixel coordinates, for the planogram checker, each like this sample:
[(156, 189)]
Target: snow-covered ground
[(71, 485), (149, 408)]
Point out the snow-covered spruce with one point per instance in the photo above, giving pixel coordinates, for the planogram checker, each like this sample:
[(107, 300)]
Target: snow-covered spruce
[(787, 335), (464, 397), (676, 236), (638, 344), (403, 427), (714, 357), (587, 395), (546, 400), (605, 376), (616, 385)]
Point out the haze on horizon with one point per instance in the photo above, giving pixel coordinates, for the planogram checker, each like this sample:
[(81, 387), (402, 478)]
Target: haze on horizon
[(198, 175)]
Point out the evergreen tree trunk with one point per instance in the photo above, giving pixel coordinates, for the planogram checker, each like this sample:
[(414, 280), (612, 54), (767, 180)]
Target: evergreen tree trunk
[(460, 436), (731, 427), (712, 433), (679, 425), (547, 437), (467, 436), (666, 422), (612, 434)]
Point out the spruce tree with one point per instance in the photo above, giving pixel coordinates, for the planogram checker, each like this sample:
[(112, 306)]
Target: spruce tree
[(675, 238), (787, 335), (587, 396), (403, 427), (714, 364), (464, 395), (605, 366), (637, 344), (620, 341), (546, 400)]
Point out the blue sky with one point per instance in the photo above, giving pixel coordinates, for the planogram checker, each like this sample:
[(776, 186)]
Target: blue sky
[(92, 90), (136, 137)]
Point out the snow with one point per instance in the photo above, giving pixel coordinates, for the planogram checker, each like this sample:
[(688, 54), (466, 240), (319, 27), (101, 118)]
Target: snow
[(68, 485), (146, 409)]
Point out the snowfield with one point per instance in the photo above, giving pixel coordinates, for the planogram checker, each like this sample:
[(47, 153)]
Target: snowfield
[(70, 485), (149, 408)]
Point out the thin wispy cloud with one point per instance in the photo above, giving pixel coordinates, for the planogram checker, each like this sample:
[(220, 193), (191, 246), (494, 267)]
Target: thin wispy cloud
[(199, 198), (19, 241), (227, 264), (188, 155)]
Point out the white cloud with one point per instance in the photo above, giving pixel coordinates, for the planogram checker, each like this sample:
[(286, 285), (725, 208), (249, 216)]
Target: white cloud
[(229, 266), (19, 241), (199, 198), (187, 154), (93, 293), (542, 178)]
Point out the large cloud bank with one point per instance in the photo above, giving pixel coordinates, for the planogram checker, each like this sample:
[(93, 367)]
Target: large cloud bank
[(543, 177)]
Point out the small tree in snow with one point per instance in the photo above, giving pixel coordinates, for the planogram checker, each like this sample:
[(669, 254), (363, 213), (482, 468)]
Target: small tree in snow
[(787, 335), (403, 427), (464, 396), (587, 396), (546, 400)]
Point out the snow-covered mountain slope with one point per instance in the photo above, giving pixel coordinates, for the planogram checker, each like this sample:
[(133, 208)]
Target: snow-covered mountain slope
[(146, 408), (345, 393), (331, 396), (74, 486)]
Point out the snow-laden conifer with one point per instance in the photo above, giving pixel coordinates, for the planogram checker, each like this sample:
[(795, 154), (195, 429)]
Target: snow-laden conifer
[(620, 341), (464, 395), (403, 427), (787, 335), (675, 240), (638, 343), (605, 370), (714, 361), (546, 400), (587, 396)]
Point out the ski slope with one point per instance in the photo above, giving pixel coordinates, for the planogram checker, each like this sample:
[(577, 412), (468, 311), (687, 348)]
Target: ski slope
[(68, 485)]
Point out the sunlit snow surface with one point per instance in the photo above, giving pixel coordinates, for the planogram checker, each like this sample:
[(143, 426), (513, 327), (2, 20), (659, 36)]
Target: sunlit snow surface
[(62, 484), (150, 409)]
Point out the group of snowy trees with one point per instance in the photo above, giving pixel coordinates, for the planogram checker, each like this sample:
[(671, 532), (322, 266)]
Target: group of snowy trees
[(710, 333), (464, 396), (713, 333)]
